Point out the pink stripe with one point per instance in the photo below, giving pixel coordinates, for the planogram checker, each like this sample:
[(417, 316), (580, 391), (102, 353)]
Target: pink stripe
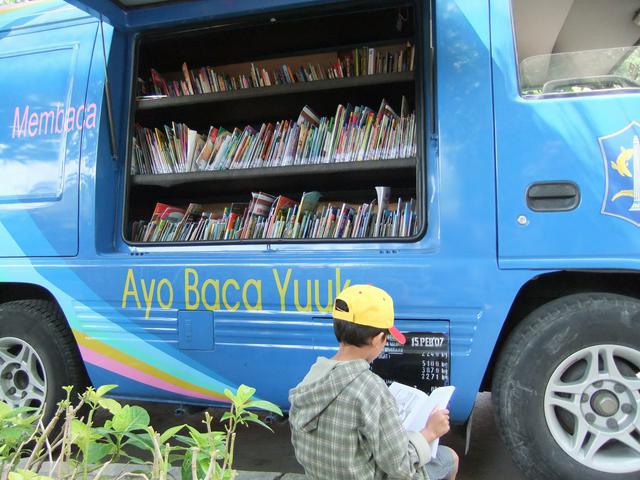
[(110, 364)]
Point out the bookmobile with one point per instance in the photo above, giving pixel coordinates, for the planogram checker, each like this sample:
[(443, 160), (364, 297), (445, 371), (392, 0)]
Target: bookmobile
[(186, 186)]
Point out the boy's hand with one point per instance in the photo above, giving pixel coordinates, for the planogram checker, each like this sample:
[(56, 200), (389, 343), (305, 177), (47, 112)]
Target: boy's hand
[(437, 425)]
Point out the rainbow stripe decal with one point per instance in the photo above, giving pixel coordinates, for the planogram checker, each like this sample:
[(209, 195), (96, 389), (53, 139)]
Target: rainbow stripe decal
[(102, 355)]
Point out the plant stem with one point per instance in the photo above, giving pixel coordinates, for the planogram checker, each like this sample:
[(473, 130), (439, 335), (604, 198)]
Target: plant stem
[(212, 465), (97, 475), (194, 463), (165, 466), (231, 450), (39, 442)]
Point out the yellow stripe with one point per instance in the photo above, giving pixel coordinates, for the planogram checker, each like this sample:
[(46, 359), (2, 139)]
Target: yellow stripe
[(133, 362)]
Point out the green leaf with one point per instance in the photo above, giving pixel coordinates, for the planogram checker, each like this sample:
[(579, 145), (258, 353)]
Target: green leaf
[(140, 418), (245, 393), (79, 428), (185, 468), (83, 435), (97, 451), (104, 389), (130, 418), (4, 409), (19, 411), (21, 474), (140, 440), (264, 405), (110, 404), (135, 460), (229, 395), (259, 422), (229, 474), (226, 416), (14, 435), (201, 439), (188, 441), (169, 433)]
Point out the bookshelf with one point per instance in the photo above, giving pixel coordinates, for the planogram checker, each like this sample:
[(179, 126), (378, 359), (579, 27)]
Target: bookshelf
[(338, 175), (170, 127), (314, 87)]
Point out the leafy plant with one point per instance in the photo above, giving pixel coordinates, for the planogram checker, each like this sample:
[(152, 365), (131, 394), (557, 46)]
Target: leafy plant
[(81, 449)]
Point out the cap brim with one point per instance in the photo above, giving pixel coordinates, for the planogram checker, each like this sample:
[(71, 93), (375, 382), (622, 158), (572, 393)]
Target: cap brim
[(397, 334)]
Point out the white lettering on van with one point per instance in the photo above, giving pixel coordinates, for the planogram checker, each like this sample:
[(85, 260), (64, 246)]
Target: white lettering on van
[(27, 123)]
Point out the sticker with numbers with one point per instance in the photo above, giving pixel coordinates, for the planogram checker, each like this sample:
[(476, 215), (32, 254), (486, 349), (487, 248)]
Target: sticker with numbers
[(422, 362)]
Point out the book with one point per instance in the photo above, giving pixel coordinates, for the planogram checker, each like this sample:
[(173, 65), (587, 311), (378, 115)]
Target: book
[(256, 213), (280, 205), (383, 201), (415, 407)]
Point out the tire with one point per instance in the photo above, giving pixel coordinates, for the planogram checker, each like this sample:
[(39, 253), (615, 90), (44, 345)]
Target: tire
[(565, 375), (38, 355)]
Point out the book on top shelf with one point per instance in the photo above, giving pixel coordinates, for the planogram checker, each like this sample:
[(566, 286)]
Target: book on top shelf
[(205, 79)]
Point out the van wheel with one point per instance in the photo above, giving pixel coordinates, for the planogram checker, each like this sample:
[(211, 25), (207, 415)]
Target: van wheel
[(566, 391), (38, 355)]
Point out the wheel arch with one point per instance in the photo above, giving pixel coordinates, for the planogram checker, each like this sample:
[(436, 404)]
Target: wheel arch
[(545, 288), (15, 291), (25, 291)]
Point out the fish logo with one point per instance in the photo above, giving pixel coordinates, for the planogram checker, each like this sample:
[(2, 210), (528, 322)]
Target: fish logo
[(621, 154)]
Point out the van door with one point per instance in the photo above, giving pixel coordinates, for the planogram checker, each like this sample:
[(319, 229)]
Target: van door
[(43, 87), (566, 106)]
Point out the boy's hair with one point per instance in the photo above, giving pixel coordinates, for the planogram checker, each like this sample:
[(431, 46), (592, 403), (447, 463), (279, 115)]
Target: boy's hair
[(351, 333)]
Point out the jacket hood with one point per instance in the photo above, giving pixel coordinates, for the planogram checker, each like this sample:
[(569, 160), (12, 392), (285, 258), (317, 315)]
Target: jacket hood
[(324, 382)]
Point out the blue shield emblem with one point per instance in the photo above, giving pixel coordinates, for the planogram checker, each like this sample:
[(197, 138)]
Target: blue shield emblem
[(621, 153)]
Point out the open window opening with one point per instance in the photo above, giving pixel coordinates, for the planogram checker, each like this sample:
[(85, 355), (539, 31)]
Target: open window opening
[(577, 46), (298, 127)]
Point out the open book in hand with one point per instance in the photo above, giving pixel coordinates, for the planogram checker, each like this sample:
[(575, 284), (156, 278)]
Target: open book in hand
[(415, 406)]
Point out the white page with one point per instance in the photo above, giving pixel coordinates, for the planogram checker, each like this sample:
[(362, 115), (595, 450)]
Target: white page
[(415, 406), (439, 398), (191, 148)]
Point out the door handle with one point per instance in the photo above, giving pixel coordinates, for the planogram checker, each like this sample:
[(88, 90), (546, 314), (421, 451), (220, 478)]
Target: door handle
[(553, 196)]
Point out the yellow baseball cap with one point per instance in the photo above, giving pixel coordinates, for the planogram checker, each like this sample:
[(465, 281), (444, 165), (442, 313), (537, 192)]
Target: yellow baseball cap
[(367, 305)]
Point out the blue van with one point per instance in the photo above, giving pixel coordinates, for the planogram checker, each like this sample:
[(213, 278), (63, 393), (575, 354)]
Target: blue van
[(187, 185)]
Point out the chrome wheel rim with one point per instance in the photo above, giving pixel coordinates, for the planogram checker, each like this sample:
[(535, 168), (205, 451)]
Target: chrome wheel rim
[(23, 380), (592, 405)]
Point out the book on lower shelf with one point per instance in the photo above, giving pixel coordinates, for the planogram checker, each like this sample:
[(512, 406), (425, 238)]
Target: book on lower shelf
[(415, 406), (278, 217)]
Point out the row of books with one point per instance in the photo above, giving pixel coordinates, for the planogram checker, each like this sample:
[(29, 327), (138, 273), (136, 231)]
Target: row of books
[(351, 63), (270, 217), (352, 134)]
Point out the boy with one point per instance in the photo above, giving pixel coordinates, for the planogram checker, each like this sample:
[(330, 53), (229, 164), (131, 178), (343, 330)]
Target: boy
[(345, 422)]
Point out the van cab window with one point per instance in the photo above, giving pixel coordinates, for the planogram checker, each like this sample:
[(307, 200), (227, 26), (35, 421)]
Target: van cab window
[(577, 46)]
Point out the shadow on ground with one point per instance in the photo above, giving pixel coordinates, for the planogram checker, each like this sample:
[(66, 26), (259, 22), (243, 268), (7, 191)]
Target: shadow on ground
[(258, 449)]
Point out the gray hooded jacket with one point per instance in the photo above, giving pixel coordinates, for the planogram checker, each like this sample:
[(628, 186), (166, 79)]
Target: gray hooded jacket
[(345, 425)]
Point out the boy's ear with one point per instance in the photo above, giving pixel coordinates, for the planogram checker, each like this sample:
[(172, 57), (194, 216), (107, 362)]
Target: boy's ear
[(379, 338)]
